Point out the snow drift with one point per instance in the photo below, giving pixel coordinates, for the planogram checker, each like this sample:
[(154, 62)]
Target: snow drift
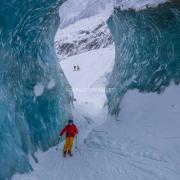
[(33, 100), (147, 44)]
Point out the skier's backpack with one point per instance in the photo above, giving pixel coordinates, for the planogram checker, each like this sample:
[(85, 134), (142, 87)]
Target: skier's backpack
[(68, 129)]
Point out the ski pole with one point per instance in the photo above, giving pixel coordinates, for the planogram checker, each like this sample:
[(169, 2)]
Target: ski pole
[(58, 143), (76, 143)]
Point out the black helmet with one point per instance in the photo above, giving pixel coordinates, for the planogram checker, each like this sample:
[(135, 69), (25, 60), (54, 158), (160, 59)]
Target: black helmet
[(70, 121)]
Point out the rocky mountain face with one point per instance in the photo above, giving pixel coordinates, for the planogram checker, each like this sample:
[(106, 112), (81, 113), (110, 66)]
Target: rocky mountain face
[(85, 35)]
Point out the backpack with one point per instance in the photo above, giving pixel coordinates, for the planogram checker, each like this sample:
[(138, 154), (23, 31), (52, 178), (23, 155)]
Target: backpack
[(68, 128)]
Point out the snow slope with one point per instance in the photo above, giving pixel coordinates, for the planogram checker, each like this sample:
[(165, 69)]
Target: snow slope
[(89, 90), (93, 65), (138, 4), (74, 10), (143, 143)]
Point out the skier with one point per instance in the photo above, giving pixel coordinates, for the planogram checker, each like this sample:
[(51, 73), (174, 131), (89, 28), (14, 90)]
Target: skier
[(71, 130)]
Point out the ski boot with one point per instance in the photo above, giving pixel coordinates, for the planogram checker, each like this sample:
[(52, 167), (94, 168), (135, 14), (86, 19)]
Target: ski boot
[(70, 154), (64, 154)]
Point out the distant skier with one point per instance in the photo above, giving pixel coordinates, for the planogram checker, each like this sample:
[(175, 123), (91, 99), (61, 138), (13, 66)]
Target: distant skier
[(74, 68), (71, 130), (78, 68)]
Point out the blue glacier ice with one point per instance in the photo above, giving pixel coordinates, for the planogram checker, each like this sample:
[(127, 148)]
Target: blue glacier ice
[(147, 46), (34, 100)]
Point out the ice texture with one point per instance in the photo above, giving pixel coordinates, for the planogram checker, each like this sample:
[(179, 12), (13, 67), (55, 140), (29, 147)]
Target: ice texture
[(33, 97), (147, 45)]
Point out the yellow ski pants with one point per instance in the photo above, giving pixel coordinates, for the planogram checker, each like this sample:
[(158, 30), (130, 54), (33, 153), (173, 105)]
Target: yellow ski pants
[(68, 144)]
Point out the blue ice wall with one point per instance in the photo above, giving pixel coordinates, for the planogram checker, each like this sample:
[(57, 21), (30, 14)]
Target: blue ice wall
[(33, 97), (147, 46)]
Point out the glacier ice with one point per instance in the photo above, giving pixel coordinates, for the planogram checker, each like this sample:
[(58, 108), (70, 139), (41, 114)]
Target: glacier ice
[(147, 45), (33, 97), (51, 84), (38, 89)]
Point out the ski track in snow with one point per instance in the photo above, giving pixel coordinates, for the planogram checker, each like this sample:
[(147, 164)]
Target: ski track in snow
[(142, 145)]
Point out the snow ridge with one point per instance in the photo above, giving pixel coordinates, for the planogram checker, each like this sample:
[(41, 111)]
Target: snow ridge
[(138, 4)]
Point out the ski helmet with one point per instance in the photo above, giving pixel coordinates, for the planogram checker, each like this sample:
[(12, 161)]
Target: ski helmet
[(70, 121)]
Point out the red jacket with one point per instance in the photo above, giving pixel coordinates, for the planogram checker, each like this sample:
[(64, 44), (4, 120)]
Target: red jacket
[(70, 129)]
